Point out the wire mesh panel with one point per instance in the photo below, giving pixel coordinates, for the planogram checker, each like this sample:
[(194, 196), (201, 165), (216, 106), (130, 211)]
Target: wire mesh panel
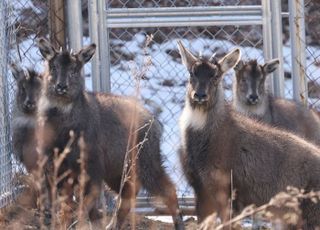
[(164, 77), (23, 21), (310, 65), (30, 21), (312, 18), (5, 96)]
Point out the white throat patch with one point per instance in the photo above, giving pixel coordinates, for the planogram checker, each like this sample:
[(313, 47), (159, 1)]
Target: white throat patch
[(250, 110), (44, 104), (193, 118)]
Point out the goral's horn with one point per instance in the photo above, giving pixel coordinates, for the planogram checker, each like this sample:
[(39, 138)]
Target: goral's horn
[(26, 73), (212, 57)]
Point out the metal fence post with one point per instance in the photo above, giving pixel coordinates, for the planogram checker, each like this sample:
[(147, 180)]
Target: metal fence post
[(94, 35), (104, 47), (267, 37), (74, 15), (276, 21), (298, 57), (99, 35)]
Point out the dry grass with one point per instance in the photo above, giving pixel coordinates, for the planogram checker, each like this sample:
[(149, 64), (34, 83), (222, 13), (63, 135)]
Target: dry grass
[(29, 210), (133, 146), (282, 211)]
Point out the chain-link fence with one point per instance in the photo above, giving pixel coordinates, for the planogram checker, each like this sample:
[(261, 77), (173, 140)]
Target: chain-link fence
[(129, 55), (312, 41), (163, 87), (23, 21), (5, 101), (34, 19), (306, 81)]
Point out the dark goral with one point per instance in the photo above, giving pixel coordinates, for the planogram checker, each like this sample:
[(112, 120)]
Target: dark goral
[(252, 99), (111, 126), (24, 115)]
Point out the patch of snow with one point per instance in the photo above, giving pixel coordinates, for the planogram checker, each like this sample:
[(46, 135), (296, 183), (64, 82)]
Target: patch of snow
[(168, 219), (24, 4)]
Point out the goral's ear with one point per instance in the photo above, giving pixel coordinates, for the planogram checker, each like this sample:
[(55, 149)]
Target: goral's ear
[(230, 60), (17, 71), (188, 59), (86, 53), (271, 66), (46, 48)]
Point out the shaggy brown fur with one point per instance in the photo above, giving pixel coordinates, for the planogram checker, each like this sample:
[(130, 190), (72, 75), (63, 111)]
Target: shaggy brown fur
[(216, 140), (252, 99), (105, 121)]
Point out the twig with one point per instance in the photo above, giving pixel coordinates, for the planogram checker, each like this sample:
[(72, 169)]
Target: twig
[(130, 155)]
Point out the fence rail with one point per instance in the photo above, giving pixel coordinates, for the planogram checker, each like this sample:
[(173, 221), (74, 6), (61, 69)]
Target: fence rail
[(184, 16)]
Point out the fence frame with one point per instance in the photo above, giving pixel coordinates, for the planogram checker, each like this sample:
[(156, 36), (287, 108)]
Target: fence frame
[(188, 16), (268, 14)]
